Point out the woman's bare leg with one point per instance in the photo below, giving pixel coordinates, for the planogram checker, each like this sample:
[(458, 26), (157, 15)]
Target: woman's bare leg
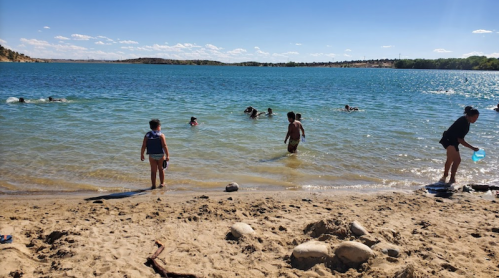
[(452, 163)]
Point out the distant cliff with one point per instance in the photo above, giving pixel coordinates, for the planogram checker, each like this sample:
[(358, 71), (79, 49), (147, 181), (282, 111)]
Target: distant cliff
[(7, 55)]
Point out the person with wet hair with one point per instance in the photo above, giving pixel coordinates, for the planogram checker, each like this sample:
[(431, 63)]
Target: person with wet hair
[(454, 136)]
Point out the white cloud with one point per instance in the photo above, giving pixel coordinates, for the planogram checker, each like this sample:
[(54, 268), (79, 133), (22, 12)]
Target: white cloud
[(298, 44), (35, 42), (259, 51), (106, 38), (46, 27), (3, 41), (190, 45), (129, 42), (441, 50), (474, 53), (128, 48), (348, 50), (59, 47), (481, 31), (102, 43), (79, 37), (185, 46), (61, 38), (212, 47), (329, 45), (236, 51), (331, 55), (478, 53), (346, 55), (316, 54), (387, 46)]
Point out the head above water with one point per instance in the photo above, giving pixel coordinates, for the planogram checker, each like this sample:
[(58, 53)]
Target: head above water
[(471, 114), (298, 116), (347, 107), (193, 119), (22, 100), (291, 115), (154, 124)]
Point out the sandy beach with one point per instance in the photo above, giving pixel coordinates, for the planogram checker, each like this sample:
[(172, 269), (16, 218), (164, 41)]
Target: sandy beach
[(73, 236)]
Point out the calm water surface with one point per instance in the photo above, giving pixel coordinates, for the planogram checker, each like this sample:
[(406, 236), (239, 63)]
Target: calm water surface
[(92, 142)]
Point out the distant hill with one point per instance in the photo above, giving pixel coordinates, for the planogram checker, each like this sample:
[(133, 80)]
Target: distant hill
[(7, 55)]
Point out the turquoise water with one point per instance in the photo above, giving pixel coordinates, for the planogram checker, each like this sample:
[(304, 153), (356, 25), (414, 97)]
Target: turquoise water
[(92, 141)]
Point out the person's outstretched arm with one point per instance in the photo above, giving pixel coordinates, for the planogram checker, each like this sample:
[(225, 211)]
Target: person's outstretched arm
[(464, 143)]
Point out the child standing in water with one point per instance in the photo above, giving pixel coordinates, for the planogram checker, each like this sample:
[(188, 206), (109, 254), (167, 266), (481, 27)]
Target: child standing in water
[(293, 134), (155, 143)]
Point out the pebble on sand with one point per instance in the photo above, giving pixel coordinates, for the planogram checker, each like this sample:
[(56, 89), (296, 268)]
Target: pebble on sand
[(240, 229), (232, 187), (357, 229), (311, 249), (352, 252), (386, 248)]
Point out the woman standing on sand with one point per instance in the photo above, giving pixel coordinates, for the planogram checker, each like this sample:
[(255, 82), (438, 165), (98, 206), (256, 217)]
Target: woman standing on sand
[(454, 136)]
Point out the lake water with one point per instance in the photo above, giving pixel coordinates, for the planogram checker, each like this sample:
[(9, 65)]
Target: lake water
[(92, 142)]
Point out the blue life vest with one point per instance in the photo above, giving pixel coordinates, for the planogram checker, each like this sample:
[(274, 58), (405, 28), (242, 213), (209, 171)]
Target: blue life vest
[(154, 145)]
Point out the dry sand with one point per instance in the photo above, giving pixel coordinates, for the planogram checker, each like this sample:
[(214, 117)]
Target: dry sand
[(68, 236)]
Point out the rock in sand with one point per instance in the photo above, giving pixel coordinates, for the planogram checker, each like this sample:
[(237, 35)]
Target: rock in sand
[(352, 252), (311, 249), (240, 229), (357, 229), (232, 187)]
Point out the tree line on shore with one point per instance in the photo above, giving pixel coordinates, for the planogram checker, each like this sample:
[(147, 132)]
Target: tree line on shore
[(379, 63), (470, 63)]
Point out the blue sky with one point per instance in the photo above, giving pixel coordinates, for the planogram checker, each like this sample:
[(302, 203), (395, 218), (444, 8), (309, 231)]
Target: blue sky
[(263, 31)]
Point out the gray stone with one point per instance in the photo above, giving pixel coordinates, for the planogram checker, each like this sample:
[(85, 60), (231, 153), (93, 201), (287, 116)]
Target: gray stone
[(352, 252), (388, 249), (311, 249), (240, 229), (357, 229), (232, 187), (369, 240)]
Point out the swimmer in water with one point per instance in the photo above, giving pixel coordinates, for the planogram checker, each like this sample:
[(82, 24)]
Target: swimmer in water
[(270, 113), (248, 109), (57, 99), (255, 114), (348, 108), (497, 108), (21, 100), (194, 121)]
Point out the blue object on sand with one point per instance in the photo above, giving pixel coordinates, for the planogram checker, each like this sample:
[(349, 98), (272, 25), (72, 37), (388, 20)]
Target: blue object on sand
[(5, 239), (478, 155)]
